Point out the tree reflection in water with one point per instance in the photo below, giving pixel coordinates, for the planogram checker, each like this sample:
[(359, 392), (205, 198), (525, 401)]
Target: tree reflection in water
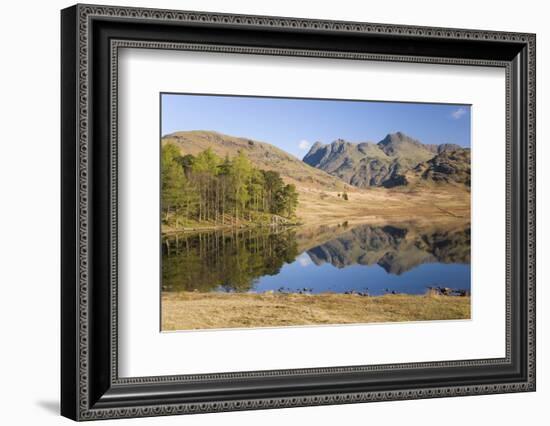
[(236, 260), (230, 260)]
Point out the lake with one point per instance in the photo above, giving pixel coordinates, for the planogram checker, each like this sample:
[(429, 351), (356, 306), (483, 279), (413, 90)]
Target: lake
[(365, 258)]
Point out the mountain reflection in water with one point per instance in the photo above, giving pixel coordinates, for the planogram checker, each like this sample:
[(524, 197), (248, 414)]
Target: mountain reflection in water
[(363, 258)]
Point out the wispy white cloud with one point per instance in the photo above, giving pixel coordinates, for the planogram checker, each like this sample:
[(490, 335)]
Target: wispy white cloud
[(458, 113), (304, 260), (304, 144)]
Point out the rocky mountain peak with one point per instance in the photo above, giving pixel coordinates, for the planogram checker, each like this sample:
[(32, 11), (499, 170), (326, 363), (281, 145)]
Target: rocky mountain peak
[(395, 142), (382, 164)]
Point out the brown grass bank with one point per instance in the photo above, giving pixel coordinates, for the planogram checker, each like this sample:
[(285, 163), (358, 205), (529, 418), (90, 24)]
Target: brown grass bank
[(379, 205), (190, 310)]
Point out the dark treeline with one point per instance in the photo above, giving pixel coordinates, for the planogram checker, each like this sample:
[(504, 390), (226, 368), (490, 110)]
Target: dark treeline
[(231, 261), (206, 187)]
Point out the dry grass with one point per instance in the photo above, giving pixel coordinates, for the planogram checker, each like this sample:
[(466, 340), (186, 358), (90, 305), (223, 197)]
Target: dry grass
[(379, 205), (189, 310)]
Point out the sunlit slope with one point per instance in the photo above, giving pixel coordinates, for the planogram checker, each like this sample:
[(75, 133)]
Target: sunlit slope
[(263, 155)]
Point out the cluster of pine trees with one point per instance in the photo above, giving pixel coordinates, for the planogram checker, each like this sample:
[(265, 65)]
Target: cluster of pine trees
[(207, 188)]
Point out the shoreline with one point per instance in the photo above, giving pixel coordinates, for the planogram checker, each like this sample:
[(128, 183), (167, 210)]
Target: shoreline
[(194, 310), (365, 206), (226, 228)]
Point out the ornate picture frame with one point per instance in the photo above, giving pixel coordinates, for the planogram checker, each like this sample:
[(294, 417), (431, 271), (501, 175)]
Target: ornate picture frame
[(91, 39)]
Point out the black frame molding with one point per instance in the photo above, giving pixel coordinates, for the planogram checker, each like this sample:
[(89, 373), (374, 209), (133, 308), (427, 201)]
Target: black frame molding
[(91, 38)]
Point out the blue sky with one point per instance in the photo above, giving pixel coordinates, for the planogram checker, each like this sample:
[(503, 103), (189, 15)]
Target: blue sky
[(295, 124)]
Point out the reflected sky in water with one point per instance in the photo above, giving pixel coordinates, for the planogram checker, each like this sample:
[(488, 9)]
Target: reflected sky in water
[(374, 279), (364, 258)]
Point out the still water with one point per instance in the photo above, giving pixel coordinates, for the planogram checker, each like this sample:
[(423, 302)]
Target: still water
[(366, 259)]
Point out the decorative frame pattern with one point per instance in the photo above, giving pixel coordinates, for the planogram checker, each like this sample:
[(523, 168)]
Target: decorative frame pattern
[(116, 45), (88, 402)]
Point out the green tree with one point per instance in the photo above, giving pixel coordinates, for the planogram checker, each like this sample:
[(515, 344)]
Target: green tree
[(206, 162), (273, 185), (205, 168), (224, 177), (290, 199), (256, 186), (173, 182), (187, 162), (240, 174)]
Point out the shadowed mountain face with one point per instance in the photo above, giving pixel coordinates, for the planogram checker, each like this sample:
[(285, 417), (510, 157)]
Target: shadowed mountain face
[(385, 163), (395, 249), (447, 167)]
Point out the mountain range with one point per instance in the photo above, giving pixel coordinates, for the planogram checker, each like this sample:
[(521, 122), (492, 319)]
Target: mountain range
[(397, 160), (394, 161)]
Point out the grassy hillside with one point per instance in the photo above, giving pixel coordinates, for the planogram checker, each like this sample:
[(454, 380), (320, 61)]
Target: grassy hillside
[(262, 155)]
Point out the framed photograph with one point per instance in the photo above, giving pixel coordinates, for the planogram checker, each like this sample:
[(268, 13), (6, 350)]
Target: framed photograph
[(263, 212)]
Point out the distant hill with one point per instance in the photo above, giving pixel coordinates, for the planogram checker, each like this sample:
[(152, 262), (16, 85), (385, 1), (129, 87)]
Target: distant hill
[(263, 155), (386, 163)]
